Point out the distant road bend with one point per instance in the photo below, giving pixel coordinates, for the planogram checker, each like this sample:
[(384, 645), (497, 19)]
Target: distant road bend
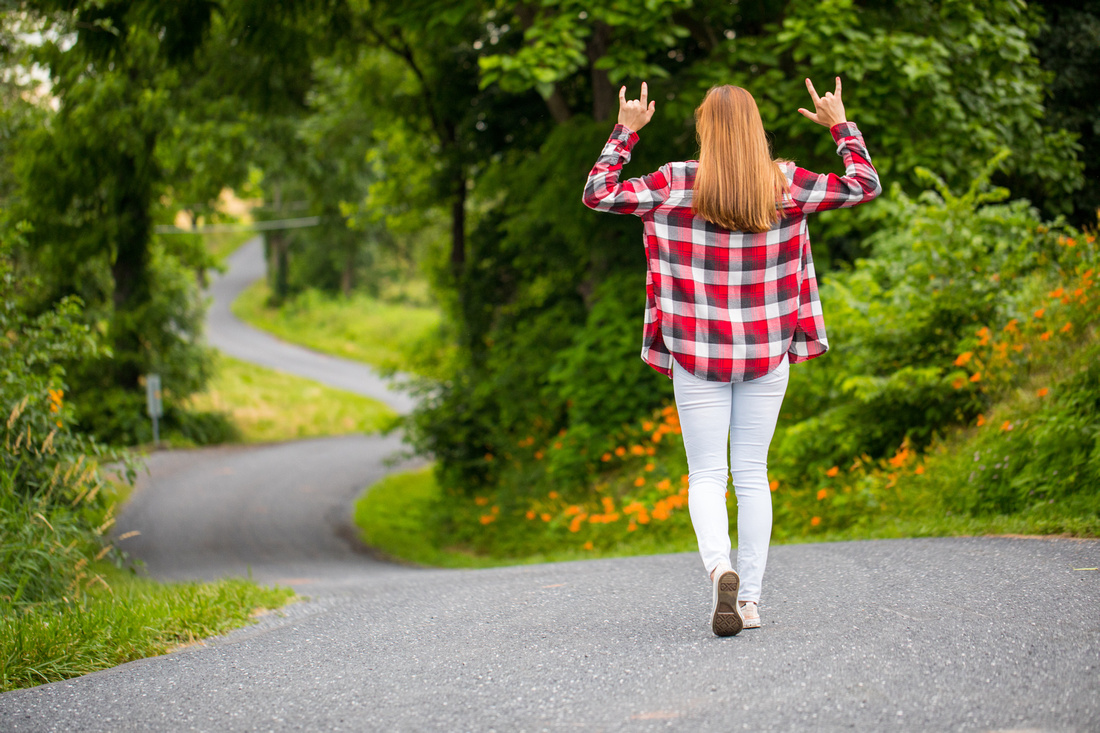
[(956, 634)]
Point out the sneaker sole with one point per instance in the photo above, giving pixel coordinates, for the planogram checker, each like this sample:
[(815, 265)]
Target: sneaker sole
[(726, 617)]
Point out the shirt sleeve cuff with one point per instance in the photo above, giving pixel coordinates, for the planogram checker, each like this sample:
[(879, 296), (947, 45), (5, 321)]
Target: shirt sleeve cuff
[(843, 130), (625, 135)]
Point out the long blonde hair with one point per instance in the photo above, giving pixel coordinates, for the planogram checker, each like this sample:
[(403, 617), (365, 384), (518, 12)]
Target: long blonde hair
[(737, 184)]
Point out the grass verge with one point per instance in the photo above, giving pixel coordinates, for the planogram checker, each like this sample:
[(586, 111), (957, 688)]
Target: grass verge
[(268, 405), (383, 335), (396, 517), (128, 618)]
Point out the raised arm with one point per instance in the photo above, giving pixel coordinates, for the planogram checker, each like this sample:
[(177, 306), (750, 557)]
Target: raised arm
[(603, 191), (859, 184)]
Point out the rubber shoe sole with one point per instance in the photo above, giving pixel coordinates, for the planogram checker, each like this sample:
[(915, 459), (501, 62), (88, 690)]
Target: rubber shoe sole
[(725, 618)]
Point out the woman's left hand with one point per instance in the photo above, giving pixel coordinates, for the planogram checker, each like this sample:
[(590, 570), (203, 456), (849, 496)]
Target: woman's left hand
[(636, 113)]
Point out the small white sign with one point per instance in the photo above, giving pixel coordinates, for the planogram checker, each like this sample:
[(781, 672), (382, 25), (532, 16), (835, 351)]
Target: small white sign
[(152, 395)]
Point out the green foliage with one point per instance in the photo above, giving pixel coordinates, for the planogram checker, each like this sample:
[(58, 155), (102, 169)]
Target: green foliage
[(944, 266)]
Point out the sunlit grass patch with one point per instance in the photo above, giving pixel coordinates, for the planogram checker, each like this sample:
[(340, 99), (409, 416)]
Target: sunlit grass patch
[(128, 618), (269, 405), (382, 334), (222, 244)]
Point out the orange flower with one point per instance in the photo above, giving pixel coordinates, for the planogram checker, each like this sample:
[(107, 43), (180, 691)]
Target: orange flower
[(608, 504), (538, 455), (1045, 335), (958, 384), (650, 450), (637, 450), (1039, 313), (605, 457), (815, 521), (486, 518), (530, 514), (620, 451), (1043, 392), (481, 500), (1071, 242), (976, 377), (631, 527), (1066, 328), (643, 517), (833, 471), (554, 495), (1010, 327), (639, 481), (557, 445), (963, 358), (544, 517), (983, 334), (773, 485), (981, 420), (821, 494), (664, 485), (489, 457), (649, 467), (588, 545), (656, 438), (684, 479), (1006, 425), (647, 426), (919, 470), (575, 525), (1056, 293)]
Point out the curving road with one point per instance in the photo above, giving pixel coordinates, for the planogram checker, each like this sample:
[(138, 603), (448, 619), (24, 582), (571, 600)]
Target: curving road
[(959, 634), (235, 337)]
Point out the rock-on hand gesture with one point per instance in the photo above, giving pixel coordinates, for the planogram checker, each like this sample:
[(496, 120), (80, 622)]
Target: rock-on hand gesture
[(828, 110), (636, 113)]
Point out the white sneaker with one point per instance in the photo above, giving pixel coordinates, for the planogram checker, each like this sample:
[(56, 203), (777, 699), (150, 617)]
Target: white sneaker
[(750, 612), (725, 616)]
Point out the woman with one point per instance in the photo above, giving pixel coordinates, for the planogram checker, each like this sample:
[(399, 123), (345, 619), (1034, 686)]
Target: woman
[(731, 303)]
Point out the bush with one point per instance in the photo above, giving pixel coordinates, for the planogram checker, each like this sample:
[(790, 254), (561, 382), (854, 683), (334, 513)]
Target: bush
[(53, 506)]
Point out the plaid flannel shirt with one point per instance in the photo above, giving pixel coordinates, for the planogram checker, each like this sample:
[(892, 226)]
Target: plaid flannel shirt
[(727, 305)]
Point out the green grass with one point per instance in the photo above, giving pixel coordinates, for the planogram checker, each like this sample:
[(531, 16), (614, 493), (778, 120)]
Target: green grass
[(221, 245), (382, 334), (128, 619), (395, 517), (268, 405)]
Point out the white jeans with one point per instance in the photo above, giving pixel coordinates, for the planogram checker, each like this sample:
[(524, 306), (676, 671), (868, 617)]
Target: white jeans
[(746, 413)]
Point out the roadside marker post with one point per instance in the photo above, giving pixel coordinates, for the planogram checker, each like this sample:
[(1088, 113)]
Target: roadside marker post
[(154, 404)]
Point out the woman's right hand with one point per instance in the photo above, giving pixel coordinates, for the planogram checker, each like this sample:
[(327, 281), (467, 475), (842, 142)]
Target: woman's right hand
[(828, 110)]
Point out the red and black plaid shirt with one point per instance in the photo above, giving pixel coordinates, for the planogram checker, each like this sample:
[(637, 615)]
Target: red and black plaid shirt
[(727, 305)]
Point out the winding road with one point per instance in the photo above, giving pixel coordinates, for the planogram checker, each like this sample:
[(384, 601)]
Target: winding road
[(959, 634)]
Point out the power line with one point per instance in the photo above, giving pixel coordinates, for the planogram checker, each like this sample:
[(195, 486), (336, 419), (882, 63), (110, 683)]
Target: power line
[(259, 226)]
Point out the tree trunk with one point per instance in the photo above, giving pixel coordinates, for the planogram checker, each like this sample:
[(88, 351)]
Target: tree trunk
[(346, 277), (458, 227), (559, 110), (603, 95), (129, 269)]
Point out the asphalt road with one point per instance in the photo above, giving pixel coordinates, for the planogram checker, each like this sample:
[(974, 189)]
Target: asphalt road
[(964, 634)]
